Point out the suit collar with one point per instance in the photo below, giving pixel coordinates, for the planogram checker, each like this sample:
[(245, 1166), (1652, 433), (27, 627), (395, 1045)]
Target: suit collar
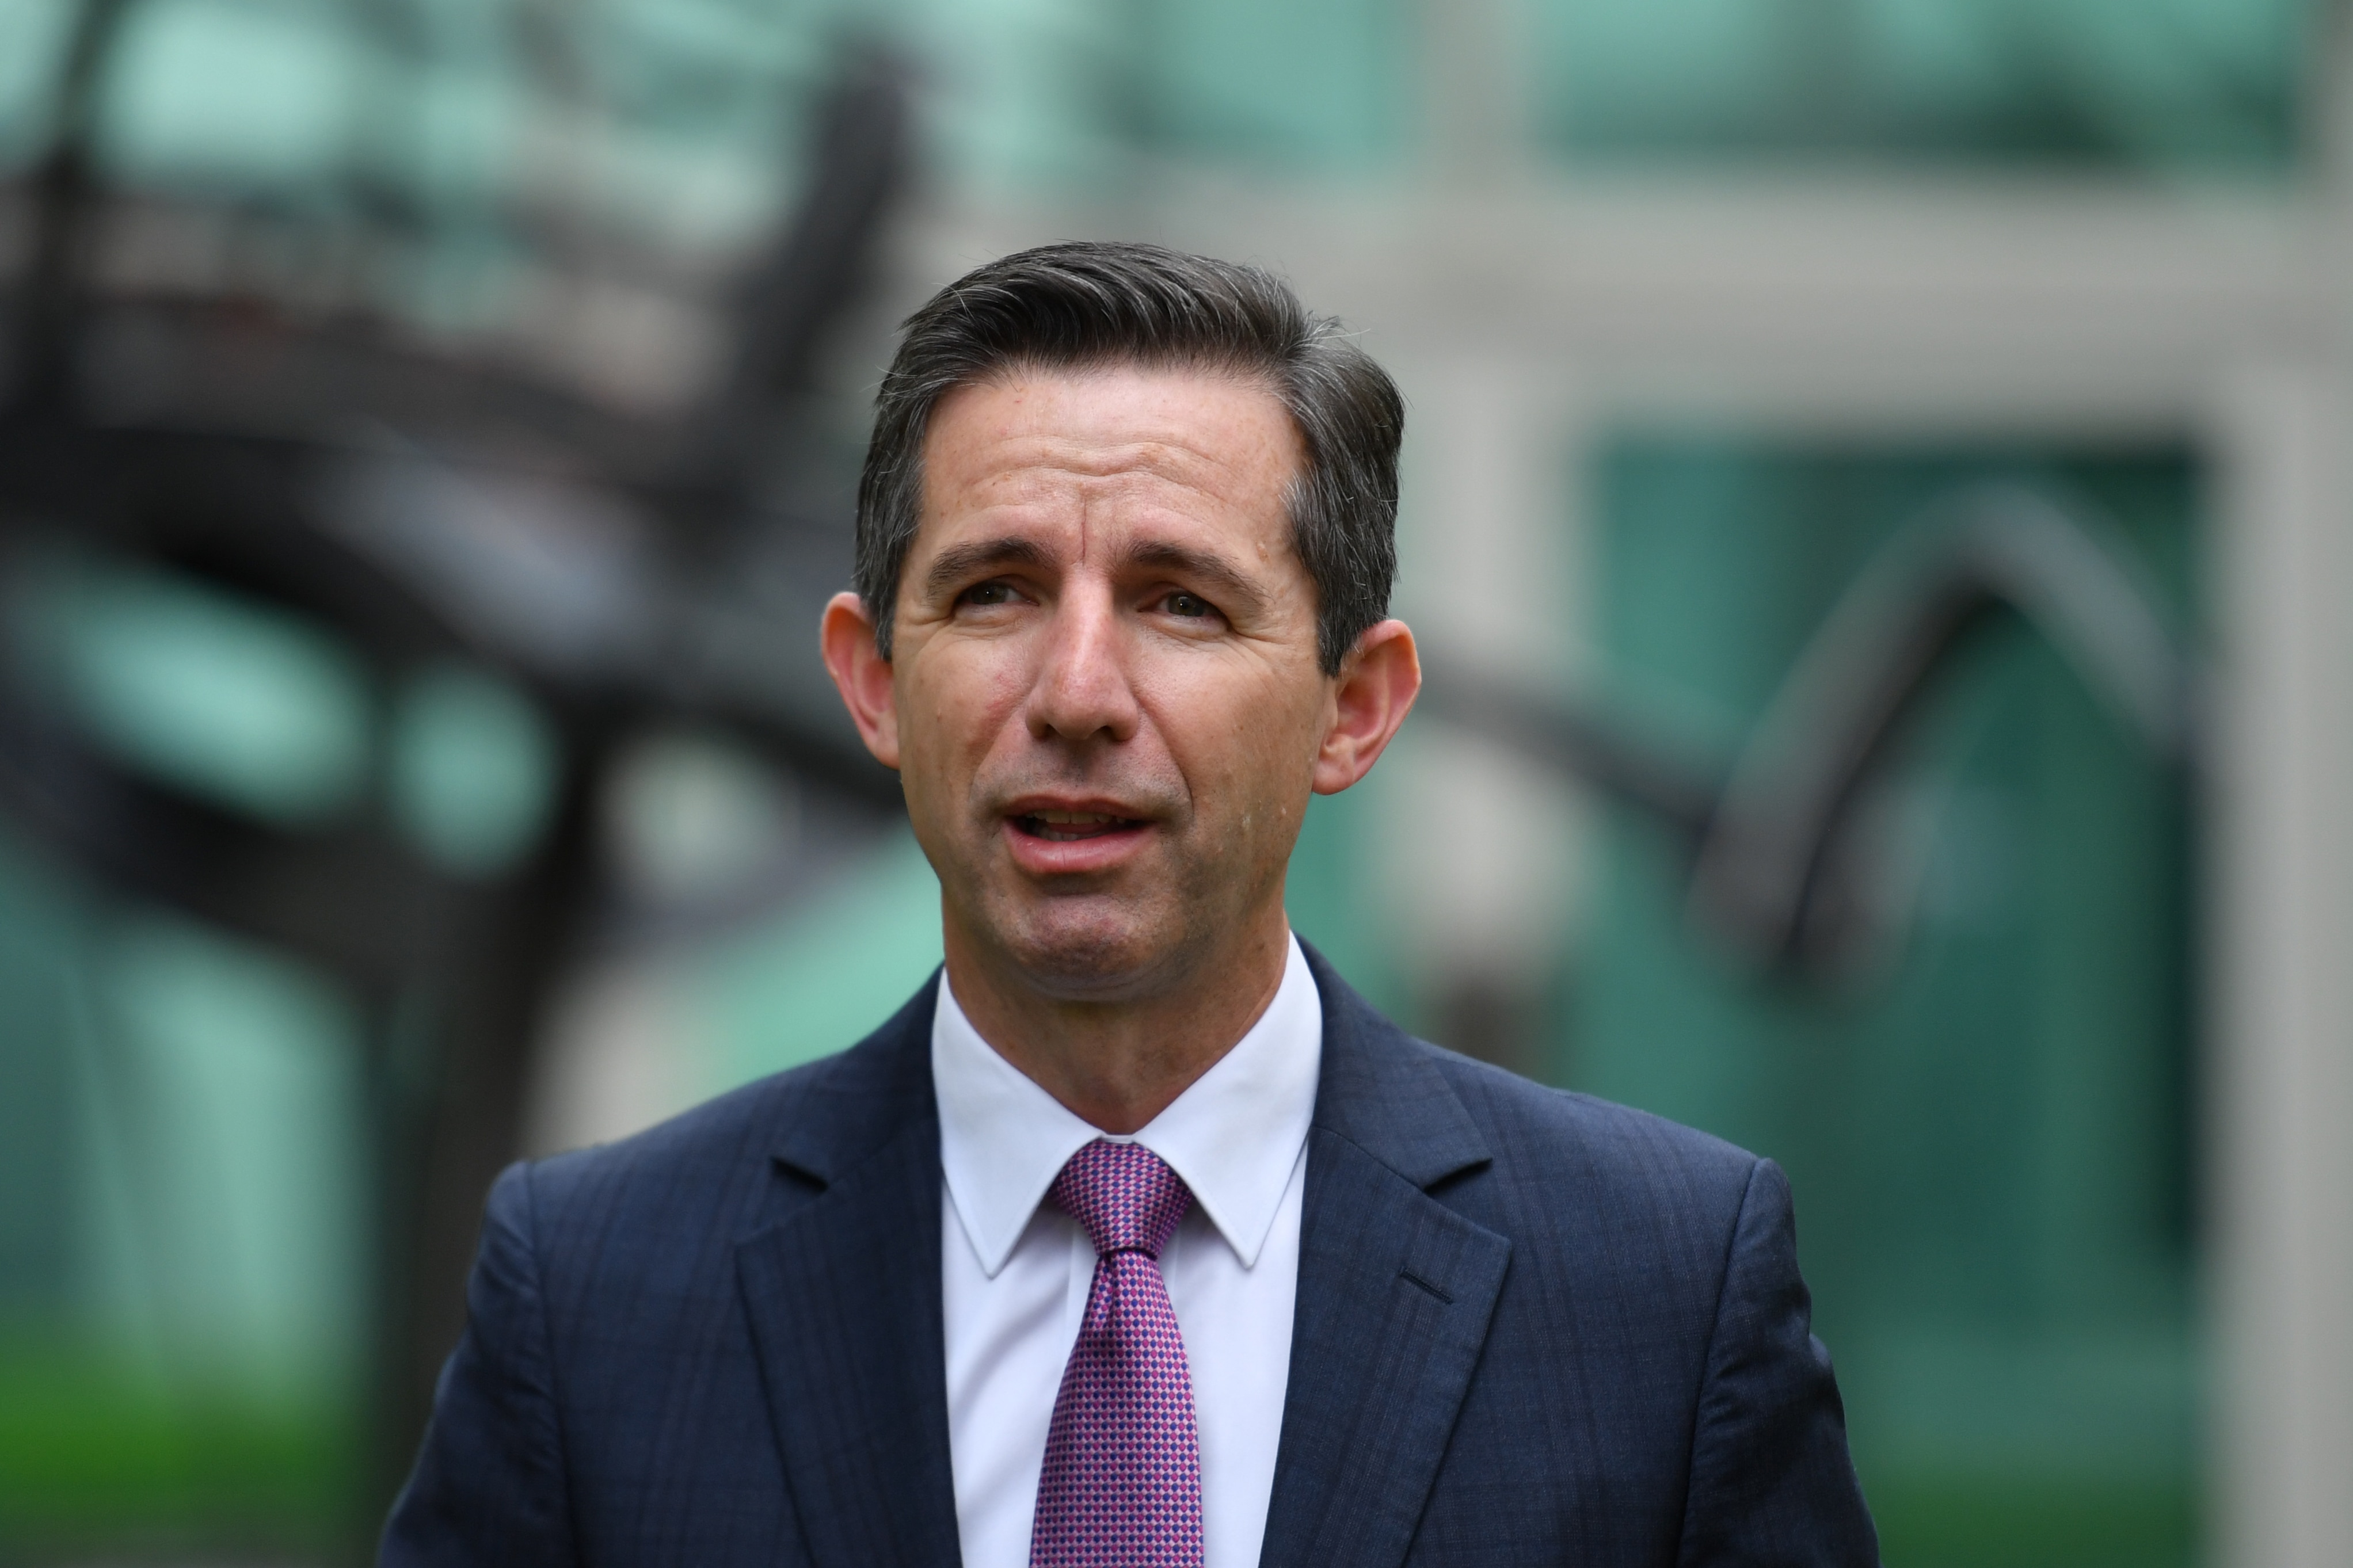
[(855, 1104), (1383, 1093), (1234, 1135), (1376, 1089)]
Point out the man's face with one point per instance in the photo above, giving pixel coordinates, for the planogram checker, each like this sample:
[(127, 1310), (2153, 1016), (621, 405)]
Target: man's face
[(1107, 710)]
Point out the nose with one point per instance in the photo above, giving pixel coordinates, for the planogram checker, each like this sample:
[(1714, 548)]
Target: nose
[(1082, 689)]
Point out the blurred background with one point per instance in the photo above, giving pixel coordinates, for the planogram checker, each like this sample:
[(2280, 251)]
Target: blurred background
[(1877, 509)]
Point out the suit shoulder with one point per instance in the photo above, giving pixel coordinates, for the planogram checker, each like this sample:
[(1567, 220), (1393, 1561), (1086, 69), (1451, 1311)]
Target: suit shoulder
[(719, 1136), (1544, 1135), (834, 1099)]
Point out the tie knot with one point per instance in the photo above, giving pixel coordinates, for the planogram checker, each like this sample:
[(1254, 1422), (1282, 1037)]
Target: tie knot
[(1125, 1195)]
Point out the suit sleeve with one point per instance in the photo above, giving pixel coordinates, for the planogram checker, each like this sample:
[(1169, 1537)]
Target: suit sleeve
[(1771, 1484), (490, 1485)]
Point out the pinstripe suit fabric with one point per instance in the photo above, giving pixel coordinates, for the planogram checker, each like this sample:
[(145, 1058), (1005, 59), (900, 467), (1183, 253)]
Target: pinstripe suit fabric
[(1532, 1328)]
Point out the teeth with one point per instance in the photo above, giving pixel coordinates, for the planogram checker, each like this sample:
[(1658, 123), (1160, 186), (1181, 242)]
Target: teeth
[(1075, 818)]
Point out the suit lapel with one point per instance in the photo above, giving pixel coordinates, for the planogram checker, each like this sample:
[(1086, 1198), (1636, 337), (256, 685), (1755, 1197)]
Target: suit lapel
[(844, 1301), (1396, 1291)]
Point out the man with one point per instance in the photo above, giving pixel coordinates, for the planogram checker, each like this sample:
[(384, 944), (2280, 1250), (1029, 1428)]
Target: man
[(1137, 1237)]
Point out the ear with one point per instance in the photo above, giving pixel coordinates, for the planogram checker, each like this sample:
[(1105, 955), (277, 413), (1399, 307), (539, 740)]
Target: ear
[(1375, 691), (861, 675)]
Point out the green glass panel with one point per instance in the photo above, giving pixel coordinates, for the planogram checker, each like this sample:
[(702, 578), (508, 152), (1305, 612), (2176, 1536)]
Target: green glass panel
[(2128, 83), (1988, 1134), (229, 93), (33, 36), (681, 121), (1295, 84)]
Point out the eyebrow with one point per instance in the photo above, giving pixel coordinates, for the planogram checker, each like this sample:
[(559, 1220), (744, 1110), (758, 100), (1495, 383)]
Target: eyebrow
[(959, 562), (1211, 572)]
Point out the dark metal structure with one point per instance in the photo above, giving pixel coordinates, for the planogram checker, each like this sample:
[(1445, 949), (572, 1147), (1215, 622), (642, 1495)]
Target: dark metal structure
[(346, 477)]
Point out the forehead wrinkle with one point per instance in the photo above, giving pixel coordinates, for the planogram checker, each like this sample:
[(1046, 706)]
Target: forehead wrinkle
[(1165, 455), (1035, 494), (1049, 428), (1047, 480)]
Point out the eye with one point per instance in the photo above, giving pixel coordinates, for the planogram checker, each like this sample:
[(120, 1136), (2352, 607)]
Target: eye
[(987, 594), (1192, 606)]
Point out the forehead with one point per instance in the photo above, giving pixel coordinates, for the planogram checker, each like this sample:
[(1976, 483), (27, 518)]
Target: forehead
[(1121, 444)]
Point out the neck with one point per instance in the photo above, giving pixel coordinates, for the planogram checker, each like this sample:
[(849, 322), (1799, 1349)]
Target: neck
[(1117, 1064)]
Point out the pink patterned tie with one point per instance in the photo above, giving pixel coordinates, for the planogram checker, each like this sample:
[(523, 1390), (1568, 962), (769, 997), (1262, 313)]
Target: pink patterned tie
[(1122, 1486)]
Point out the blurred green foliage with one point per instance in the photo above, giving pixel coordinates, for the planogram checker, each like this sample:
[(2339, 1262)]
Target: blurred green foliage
[(100, 1455)]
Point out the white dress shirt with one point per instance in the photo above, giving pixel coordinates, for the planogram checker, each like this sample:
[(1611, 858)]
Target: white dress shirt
[(1015, 1269)]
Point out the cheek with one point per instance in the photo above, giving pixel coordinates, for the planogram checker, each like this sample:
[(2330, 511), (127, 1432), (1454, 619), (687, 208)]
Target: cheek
[(957, 705), (1249, 749)]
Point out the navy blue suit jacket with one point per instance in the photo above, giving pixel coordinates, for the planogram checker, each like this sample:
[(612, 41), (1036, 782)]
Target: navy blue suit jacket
[(1532, 1328)]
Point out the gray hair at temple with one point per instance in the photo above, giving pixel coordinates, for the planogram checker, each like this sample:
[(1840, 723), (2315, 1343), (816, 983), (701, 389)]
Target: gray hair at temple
[(1084, 306)]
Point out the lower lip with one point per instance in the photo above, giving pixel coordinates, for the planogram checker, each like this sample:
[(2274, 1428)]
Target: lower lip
[(1068, 857)]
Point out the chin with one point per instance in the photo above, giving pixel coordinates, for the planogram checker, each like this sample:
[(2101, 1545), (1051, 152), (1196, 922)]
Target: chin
[(1098, 954)]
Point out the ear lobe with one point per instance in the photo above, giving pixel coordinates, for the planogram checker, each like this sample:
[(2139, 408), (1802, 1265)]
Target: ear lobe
[(1375, 691), (863, 676)]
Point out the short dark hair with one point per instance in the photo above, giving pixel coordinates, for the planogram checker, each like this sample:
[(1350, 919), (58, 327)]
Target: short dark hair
[(1085, 305)]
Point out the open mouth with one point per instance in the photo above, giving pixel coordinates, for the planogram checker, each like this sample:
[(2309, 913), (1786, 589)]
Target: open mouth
[(1069, 827)]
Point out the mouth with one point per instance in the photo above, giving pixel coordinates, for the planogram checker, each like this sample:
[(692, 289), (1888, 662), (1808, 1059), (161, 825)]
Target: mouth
[(1071, 826)]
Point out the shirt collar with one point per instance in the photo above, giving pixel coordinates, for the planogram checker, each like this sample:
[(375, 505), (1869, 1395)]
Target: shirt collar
[(1234, 1135)]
